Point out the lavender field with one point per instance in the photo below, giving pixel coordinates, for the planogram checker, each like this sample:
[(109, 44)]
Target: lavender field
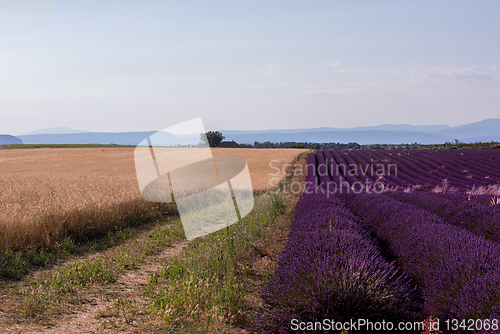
[(393, 235)]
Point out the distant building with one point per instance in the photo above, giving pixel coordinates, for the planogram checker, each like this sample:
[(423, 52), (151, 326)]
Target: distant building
[(231, 143)]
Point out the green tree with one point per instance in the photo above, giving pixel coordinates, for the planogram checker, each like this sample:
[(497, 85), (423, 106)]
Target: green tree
[(214, 138)]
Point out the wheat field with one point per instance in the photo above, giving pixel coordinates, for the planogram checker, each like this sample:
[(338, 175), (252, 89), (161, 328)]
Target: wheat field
[(48, 194)]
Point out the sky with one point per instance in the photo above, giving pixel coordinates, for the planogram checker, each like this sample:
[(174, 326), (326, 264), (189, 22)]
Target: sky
[(247, 65)]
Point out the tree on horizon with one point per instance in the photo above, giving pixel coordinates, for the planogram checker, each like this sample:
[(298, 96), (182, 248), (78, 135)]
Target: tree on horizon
[(214, 138)]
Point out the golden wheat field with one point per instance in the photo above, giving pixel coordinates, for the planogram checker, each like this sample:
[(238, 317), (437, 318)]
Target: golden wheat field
[(50, 193)]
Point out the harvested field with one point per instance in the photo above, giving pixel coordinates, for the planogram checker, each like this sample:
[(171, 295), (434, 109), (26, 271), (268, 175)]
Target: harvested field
[(258, 160), (50, 193)]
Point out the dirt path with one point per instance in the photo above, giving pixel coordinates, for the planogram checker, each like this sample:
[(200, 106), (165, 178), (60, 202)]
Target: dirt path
[(102, 311)]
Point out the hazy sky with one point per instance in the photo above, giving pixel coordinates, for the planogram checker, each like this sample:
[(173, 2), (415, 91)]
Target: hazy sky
[(145, 65)]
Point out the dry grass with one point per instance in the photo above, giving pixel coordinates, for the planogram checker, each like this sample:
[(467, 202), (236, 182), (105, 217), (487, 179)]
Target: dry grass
[(50, 193), (493, 189)]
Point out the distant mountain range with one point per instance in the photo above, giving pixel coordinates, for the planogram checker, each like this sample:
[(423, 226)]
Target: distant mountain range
[(9, 140), (119, 138), (485, 131)]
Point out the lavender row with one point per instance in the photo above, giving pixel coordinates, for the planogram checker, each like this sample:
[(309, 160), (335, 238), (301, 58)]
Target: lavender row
[(452, 164), (332, 269), (485, 160), (456, 209), (430, 173), (461, 164), (439, 166), (458, 271), (312, 171), (433, 166), (406, 165), (368, 168), (401, 177)]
